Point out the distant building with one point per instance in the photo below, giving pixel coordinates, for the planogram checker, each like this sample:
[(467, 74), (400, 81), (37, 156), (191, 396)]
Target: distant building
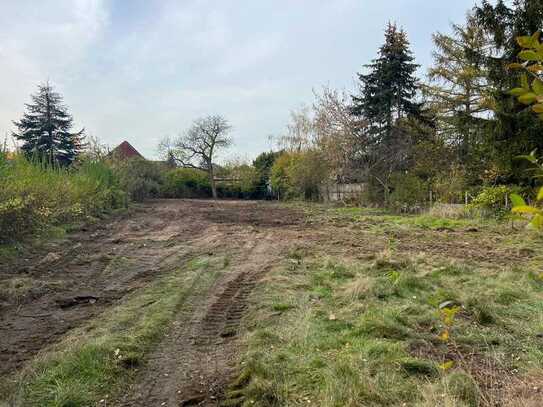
[(124, 151)]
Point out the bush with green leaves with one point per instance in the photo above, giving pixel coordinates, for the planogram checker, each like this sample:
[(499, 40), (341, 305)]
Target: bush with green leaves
[(140, 178), (185, 183), (263, 164), (530, 93), (240, 181), (492, 201), (408, 191), (534, 211), (299, 174)]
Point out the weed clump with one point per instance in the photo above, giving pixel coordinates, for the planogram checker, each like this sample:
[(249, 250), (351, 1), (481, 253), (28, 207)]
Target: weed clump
[(464, 388), (35, 196), (419, 367)]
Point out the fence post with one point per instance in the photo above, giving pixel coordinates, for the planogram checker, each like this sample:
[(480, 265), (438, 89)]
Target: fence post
[(466, 197)]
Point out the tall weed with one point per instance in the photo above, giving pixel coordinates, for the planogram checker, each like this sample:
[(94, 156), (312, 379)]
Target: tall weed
[(34, 195)]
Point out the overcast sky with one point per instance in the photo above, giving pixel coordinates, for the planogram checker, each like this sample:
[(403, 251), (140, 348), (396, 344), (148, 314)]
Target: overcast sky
[(138, 70)]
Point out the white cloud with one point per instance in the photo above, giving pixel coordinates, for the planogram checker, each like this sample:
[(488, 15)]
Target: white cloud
[(139, 70), (40, 41)]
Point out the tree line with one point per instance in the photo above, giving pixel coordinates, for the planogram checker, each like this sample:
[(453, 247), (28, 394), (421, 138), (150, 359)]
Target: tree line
[(454, 131), (458, 129)]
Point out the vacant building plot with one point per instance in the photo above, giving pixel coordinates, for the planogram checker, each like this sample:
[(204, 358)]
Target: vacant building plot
[(188, 302)]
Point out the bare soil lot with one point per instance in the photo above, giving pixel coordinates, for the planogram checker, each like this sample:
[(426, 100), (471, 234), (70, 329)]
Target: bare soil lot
[(259, 275), (68, 282)]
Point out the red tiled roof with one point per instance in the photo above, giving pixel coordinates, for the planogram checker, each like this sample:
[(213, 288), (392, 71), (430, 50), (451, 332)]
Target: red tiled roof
[(125, 150)]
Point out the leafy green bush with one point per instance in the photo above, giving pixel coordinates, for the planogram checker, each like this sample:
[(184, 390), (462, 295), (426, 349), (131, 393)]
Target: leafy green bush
[(34, 195), (530, 94), (373, 194), (185, 183), (299, 174), (491, 201), (263, 164), (140, 178), (242, 181), (408, 191)]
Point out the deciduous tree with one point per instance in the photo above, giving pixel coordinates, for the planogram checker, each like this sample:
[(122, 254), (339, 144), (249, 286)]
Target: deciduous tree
[(197, 148)]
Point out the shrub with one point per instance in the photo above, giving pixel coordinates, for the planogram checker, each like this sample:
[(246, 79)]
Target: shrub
[(491, 201), (279, 179), (140, 178), (243, 182), (408, 192), (34, 195), (263, 164), (450, 186), (373, 194), (299, 174), (186, 183)]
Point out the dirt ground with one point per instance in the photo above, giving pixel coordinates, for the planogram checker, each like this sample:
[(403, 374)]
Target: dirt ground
[(71, 281)]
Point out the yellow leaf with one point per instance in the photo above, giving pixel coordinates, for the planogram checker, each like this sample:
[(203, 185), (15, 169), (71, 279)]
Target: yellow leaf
[(518, 91), (525, 41), (540, 194), (446, 365), (444, 335), (537, 222), (538, 108), (527, 209)]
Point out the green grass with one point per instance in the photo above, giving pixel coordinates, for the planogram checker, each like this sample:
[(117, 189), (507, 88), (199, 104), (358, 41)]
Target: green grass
[(98, 359), (420, 221), (352, 333)]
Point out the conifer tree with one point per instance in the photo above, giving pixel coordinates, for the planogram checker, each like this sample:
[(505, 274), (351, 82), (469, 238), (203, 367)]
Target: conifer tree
[(45, 128), (388, 90), (386, 103), (458, 88), (513, 130)]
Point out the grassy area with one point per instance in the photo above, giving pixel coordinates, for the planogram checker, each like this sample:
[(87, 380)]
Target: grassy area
[(403, 329), (98, 359), (35, 196), (422, 221)]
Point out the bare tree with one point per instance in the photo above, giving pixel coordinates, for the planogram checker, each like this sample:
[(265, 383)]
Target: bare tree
[(299, 133), (337, 133), (197, 147)]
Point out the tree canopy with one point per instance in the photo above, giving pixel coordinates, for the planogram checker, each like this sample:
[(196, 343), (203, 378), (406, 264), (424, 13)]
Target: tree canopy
[(45, 128)]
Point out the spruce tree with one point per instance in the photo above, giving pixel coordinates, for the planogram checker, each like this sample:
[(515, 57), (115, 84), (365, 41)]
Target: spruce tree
[(388, 90), (385, 104), (45, 128)]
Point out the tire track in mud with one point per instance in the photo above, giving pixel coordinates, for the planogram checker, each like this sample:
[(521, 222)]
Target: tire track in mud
[(105, 261), (199, 356)]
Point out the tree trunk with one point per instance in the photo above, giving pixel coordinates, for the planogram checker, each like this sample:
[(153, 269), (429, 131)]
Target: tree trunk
[(212, 181)]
